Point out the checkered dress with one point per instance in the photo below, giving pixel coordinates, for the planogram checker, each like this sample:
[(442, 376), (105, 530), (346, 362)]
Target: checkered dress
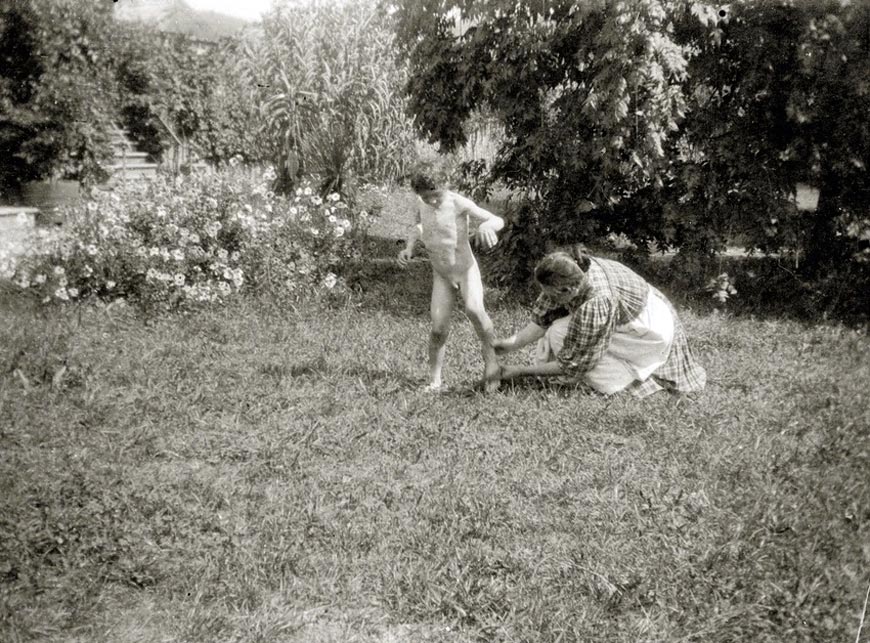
[(614, 295)]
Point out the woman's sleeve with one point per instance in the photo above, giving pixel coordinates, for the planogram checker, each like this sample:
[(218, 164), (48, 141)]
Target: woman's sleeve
[(588, 336), (545, 311)]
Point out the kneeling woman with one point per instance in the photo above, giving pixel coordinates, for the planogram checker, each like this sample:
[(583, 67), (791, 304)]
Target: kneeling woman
[(598, 322)]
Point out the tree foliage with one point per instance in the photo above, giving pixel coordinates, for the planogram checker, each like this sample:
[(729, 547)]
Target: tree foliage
[(683, 122), (588, 92), (56, 90), (193, 87), (330, 92)]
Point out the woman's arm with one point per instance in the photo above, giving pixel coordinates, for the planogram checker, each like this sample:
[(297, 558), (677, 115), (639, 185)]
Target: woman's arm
[(529, 334), (547, 369)]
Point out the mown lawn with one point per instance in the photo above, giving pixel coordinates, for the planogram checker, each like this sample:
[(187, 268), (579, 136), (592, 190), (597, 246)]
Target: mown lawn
[(266, 474)]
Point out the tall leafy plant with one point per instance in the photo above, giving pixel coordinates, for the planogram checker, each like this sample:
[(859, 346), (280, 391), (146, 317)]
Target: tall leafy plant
[(330, 93)]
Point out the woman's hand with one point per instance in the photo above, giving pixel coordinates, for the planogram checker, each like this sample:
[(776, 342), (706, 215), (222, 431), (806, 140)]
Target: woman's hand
[(404, 256), (509, 372)]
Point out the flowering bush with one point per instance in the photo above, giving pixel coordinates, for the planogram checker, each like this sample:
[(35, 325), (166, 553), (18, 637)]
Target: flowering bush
[(721, 287), (193, 239)]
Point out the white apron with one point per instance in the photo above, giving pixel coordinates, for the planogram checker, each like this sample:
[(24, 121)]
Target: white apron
[(636, 349)]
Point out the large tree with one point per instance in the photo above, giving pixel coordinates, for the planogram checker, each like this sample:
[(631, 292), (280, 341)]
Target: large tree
[(686, 122), (778, 94), (589, 93), (56, 90)]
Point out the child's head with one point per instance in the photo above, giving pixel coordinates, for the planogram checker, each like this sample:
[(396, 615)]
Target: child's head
[(426, 188), (423, 183)]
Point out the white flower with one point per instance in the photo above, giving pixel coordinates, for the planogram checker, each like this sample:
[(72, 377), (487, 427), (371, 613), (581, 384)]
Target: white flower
[(73, 292), (306, 191), (194, 238), (294, 210), (316, 200), (334, 197), (61, 294), (110, 284), (332, 219), (178, 280), (222, 254), (339, 232), (178, 255), (58, 270), (330, 280), (39, 279)]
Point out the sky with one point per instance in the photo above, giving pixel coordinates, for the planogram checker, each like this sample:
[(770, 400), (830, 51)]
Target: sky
[(248, 9)]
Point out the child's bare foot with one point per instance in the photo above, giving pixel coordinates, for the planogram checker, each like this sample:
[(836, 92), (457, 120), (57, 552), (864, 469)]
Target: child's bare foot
[(492, 378), (433, 387)]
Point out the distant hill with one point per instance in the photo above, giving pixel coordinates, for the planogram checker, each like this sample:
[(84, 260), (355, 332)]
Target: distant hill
[(177, 17)]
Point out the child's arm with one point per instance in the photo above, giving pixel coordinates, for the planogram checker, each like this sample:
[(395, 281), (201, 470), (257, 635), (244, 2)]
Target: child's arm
[(489, 223), (415, 233)]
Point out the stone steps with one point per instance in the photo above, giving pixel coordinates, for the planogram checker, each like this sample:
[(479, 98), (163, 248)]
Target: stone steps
[(129, 163)]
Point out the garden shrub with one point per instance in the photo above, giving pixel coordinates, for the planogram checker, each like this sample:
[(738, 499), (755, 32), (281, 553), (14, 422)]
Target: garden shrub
[(187, 240)]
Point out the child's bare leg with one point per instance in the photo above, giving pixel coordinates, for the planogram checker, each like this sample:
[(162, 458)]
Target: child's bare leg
[(440, 309), (472, 292)]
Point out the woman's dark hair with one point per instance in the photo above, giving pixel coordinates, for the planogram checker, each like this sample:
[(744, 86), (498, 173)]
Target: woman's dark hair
[(565, 267)]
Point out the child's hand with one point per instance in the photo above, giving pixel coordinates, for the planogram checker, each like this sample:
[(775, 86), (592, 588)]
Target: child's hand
[(486, 237), (404, 257)]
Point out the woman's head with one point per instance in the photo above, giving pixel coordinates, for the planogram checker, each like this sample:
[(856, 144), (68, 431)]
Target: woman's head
[(562, 273)]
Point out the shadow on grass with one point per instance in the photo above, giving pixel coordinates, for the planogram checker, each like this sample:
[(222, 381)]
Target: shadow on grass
[(381, 380)]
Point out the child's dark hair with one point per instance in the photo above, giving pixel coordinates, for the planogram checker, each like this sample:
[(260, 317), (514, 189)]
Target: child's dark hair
[(421, 182)]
